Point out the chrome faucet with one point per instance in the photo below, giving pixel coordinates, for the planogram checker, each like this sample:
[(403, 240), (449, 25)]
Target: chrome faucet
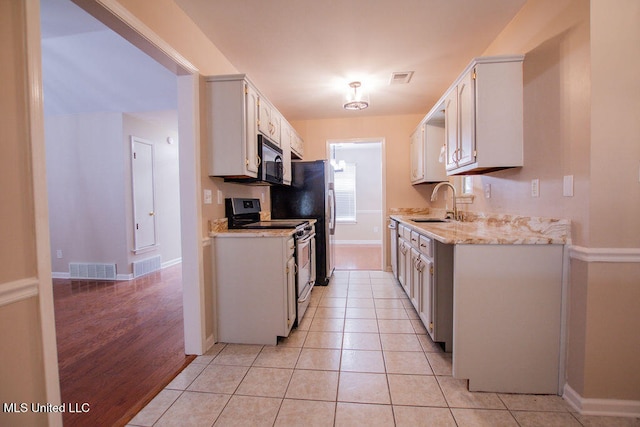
[(434, 197)]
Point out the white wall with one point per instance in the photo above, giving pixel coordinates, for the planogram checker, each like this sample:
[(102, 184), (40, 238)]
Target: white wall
[(90, 196), (85, 180), (167, 181), (368, 159)]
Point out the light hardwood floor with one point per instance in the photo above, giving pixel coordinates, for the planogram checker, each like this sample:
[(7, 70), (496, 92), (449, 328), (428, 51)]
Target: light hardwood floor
[(358, 257)]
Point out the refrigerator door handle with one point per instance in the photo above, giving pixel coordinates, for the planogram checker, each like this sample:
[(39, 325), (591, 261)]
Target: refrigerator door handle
[(332, 218)]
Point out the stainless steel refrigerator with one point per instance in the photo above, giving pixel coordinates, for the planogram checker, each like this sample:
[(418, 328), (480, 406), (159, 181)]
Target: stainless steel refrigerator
[(311, 195)]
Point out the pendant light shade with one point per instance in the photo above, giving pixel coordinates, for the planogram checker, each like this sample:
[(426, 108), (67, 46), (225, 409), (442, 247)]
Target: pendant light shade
[(356, 98)]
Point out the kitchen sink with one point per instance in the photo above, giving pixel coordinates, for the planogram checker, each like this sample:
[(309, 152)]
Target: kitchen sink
[(429, 220)]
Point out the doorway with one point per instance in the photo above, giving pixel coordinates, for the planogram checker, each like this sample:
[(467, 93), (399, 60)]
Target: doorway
[(108, 130), (358, 167)]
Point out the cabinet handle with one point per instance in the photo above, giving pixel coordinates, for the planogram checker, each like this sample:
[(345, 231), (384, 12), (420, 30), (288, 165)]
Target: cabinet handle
[(258, 160)]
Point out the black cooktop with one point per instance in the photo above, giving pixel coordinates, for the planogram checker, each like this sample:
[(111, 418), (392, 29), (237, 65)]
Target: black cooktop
[(278, 224)]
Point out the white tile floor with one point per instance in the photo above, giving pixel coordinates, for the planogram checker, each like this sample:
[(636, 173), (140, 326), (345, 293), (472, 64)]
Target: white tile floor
[(360, 357)]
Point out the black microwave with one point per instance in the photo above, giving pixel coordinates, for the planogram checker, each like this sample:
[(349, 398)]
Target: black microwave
[(270, 166)]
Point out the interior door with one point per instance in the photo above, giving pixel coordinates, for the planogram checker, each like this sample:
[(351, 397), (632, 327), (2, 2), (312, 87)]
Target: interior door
[(144, 211)]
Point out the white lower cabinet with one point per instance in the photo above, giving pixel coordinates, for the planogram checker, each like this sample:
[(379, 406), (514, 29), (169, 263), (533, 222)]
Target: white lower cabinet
[(508, 316), (255, 287), (426, 267)]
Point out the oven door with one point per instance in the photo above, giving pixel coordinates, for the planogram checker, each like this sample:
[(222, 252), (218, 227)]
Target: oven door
[(305, 260)]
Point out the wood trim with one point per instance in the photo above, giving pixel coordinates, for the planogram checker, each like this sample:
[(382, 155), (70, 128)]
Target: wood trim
[(43, 282), (119, 19), (582, 253), (18, 290)]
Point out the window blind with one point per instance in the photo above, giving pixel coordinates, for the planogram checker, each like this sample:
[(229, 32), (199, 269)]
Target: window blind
[(345, 188)]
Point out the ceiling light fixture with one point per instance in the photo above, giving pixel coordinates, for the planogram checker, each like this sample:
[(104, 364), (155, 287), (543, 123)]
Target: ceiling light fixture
[(357, 99)]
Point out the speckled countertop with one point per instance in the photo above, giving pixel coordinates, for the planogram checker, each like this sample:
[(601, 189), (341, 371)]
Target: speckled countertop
[(482, 229)]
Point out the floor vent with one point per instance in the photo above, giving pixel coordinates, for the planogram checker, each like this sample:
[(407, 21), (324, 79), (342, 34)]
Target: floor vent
[(78, 270), (146, 266)]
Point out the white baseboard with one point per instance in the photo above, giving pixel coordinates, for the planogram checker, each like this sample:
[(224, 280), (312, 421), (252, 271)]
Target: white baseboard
[(171, 263), (601, 407), (604, 254), (66, 275), (209, 342)]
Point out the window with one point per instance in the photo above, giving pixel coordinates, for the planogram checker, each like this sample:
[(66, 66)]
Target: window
[(345, 187)]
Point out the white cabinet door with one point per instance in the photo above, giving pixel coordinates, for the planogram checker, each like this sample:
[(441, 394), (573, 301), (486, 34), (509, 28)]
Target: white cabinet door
[(425, 274), (269, 121), (416, 278), (286, 138), (292, 301), (467, 120), (417, 155), (403, 248), (251, 141), (451, 127), (460, 121)]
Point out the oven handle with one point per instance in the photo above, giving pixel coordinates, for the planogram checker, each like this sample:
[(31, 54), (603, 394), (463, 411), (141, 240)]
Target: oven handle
[(306, 239), (306, 297)]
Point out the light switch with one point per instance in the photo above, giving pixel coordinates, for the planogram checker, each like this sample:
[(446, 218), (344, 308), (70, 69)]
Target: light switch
[(567, 186), (220, 197), (535, 187), (207, 197), (487, 191)]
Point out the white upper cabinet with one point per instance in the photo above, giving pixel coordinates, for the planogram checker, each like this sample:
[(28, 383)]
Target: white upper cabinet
[(232, 120), (269, 121), (417, 155), (483, 113), (426, 142), (297, 146), (237, 112), (286, 136)]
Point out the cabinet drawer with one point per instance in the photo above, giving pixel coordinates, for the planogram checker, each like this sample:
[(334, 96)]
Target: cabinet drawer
[(415, 237), (405, 232), (426, 246)]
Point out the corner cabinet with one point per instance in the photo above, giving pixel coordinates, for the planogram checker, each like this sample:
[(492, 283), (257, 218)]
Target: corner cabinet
[(232, 118), (236, 113), (484, 117), (255, 305)]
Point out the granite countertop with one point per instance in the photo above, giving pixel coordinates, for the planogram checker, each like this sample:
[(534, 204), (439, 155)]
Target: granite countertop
[(480, 229)]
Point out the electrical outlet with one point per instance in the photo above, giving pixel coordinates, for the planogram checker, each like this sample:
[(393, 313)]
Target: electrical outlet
[(535, 187), (487, 191), (59, 253)]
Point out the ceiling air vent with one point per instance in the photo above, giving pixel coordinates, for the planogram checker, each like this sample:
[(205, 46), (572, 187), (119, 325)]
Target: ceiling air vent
[(400, 77)]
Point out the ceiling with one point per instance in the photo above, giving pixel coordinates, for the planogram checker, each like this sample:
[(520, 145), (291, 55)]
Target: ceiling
[(300, 54), (87, 68), (303, 54)]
